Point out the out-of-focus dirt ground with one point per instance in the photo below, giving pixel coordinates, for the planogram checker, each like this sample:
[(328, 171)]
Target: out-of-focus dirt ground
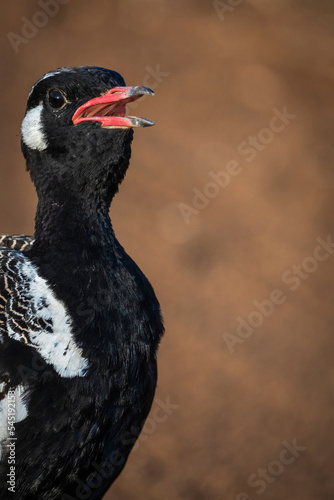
[(221, 71)]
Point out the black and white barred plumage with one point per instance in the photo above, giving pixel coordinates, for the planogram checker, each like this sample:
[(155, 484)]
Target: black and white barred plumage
[(19, 242), (30, 313)]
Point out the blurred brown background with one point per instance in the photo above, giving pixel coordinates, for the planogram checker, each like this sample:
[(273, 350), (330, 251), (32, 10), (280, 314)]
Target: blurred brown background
[(219, 70)]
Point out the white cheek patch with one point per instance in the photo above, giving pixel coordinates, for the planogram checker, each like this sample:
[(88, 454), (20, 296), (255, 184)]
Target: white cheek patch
[(32, 129)]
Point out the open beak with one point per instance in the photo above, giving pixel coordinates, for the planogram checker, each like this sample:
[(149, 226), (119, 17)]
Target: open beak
[(110, 108)]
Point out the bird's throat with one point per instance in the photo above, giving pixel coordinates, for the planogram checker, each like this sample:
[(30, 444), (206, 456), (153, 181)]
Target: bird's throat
[(73, 229)]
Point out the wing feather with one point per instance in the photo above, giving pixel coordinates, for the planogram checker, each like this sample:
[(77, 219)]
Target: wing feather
[(18, 242), (32, 321)]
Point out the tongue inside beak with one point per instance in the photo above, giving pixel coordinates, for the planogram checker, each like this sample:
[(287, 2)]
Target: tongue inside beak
[(110, 108)]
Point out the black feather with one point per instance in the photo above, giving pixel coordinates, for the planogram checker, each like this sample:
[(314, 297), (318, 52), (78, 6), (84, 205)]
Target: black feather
[(81, 423)]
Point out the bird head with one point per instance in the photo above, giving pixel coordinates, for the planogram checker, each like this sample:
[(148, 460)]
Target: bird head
[(76, 137)]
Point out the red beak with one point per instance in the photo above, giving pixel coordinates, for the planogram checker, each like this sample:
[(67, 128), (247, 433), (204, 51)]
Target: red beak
[(110, 108)]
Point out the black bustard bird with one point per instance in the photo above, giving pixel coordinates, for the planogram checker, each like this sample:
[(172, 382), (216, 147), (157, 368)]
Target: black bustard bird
[(79, 322)]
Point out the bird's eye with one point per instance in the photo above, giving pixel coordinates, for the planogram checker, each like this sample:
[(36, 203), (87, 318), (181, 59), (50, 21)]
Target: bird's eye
[(56, 98)]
